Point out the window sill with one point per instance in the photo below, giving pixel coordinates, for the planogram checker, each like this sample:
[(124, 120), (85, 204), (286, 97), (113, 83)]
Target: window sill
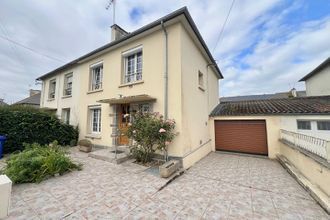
[(66, 96), (95, 91), (50, 99), (93, 136), (131, 84), (201, 88)]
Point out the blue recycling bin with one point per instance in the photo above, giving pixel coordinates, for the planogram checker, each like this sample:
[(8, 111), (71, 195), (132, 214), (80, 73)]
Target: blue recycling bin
[(2, 142)]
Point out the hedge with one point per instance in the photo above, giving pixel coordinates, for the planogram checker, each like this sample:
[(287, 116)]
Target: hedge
[(29, 125)]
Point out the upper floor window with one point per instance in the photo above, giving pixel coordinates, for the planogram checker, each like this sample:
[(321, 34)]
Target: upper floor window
[(52, 89), (323, 125), (96, 75), (133, 66), (68, 84), (304, 125)]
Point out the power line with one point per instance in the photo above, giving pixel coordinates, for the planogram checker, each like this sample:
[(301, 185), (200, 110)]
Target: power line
[(5, 32), (31, 49), (224, 24)]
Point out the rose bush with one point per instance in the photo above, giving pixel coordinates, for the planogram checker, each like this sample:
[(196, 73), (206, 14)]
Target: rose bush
[(150, 132)]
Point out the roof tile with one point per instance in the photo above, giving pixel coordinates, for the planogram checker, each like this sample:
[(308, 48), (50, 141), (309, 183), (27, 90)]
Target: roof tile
[(285, 106)]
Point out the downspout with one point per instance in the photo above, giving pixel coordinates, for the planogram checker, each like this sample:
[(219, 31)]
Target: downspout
[(165, 71)]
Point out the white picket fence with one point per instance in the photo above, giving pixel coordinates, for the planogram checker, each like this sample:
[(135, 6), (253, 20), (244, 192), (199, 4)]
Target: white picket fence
[(314, 145)]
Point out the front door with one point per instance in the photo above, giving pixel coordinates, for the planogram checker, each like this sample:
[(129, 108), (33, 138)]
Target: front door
[(124, 119)]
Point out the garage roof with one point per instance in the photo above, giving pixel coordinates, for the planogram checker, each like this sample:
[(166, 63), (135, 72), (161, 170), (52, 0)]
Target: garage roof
[(316, 105)]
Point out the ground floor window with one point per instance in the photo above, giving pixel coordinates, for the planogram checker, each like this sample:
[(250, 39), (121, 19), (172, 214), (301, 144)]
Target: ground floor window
[(95, 119), (303, 125), (66, 115), (141, 107), (323, 125)]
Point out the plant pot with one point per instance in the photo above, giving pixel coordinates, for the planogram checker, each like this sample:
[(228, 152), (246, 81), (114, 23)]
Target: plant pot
[(168, 168), (85, 149)]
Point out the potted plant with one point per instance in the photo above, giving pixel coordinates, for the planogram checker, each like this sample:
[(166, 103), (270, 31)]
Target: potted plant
[(85, 145)]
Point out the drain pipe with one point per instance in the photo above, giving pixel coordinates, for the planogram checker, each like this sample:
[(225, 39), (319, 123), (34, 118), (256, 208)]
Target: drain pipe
[(165, 71)]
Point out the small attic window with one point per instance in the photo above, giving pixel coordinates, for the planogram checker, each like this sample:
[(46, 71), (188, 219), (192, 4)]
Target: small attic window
[(200, 80)]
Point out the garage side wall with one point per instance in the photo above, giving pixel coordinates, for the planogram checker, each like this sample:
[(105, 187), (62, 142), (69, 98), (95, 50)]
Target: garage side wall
[(272, 127)]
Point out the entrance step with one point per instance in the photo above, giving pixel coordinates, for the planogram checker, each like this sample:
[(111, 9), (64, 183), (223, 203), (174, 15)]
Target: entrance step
[(112, 155)]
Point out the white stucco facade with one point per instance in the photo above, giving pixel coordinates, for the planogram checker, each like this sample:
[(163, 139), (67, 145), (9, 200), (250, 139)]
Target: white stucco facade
[(319, 83), (289, 123), (189, 104)]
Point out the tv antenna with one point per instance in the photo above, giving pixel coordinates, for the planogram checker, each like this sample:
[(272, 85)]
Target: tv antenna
[(113, 3)]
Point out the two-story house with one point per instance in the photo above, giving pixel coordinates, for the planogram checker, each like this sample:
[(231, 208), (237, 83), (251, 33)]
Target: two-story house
[(318, 80), (162, 67)]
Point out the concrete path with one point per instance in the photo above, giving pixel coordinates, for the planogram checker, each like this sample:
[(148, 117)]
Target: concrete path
[(220, 186)]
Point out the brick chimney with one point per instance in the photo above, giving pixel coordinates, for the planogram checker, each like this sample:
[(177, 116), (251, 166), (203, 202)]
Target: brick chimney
[(117, 32)]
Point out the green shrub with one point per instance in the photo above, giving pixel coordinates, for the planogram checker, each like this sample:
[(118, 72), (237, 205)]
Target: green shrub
[(30, 125), (150, 132), (37, 163)]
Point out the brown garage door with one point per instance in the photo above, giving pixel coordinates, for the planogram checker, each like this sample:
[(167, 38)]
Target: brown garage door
[(241, 136)]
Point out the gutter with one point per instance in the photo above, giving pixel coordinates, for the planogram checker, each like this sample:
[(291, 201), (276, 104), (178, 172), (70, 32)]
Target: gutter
[(165, 70)]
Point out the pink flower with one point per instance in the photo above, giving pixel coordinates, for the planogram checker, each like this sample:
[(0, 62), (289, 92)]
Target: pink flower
[(170, 121), (167, 143), (162, 130)]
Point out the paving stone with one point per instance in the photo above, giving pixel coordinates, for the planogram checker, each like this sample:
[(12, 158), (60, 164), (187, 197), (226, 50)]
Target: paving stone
[(220, 186)]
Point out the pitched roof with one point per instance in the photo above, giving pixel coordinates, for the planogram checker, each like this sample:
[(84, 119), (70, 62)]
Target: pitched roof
[(182, 11), (317, 105), (279, 95), (316, 70), (32, 100)]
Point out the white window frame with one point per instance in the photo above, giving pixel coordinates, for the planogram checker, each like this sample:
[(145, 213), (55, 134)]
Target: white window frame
[(310, 123), (317, 125), (95, 84), (92, 110), (66, 114), (66, 84), (145, 107), (52, 94), (135, 74)]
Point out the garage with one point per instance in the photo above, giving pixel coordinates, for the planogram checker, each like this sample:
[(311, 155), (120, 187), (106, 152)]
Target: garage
[(244, 136)]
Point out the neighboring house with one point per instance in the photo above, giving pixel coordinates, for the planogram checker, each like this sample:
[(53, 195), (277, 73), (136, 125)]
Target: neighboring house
[(2, 103), (254, 126), (163, 67), (279, 95), (33, 100), (318, 81)]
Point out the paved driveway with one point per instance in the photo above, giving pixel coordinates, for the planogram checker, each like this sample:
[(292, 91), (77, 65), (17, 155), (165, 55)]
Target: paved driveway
[(220, 186)]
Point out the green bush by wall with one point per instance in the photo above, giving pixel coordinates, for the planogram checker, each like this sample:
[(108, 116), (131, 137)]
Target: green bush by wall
[(28, 125), (37, 163)]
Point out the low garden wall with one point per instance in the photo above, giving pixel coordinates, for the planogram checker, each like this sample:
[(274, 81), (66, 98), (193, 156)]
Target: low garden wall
[(310, 171)]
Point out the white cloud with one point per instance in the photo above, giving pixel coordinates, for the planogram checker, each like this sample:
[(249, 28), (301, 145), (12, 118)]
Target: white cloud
[(275, 54)]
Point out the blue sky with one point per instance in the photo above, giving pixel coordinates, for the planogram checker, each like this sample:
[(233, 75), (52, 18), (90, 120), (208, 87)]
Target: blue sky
[(266, 46)]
